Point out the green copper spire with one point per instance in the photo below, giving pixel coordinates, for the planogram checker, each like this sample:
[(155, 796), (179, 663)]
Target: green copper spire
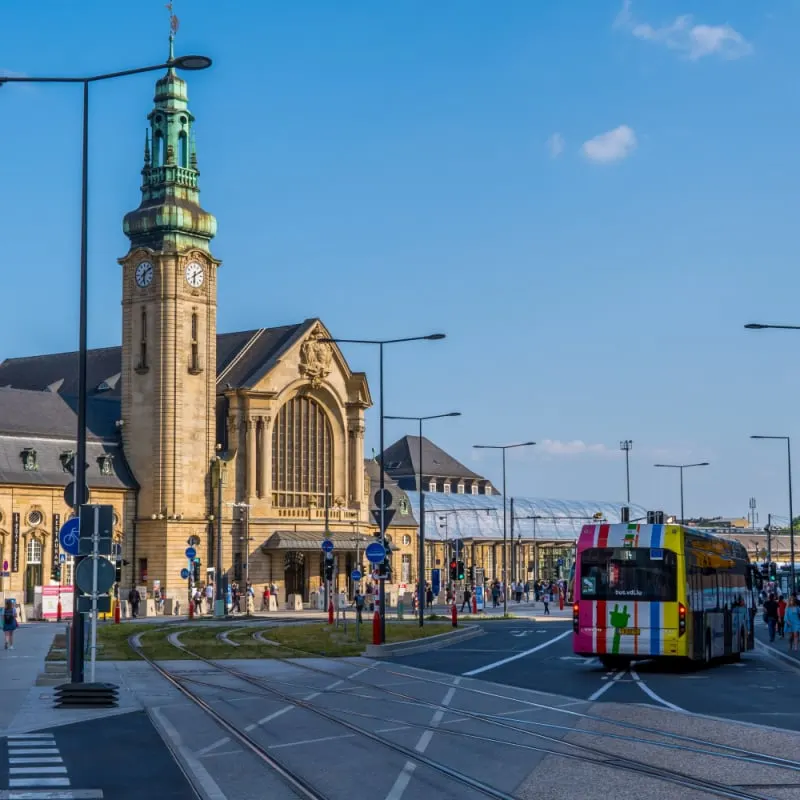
[(169, 217)]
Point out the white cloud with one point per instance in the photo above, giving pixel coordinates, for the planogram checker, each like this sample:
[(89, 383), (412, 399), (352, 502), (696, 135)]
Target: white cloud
[(555, 145), (610, 146), (682, 35), (555, 447)]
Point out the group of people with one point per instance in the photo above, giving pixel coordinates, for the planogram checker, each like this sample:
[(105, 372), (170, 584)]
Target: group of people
[(783, 616)]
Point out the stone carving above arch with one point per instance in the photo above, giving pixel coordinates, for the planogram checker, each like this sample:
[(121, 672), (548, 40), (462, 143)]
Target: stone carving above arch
[(316, 358)]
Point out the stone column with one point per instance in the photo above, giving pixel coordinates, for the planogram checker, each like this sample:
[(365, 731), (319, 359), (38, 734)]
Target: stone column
[(251, 457), (265, 458), (355, 441)]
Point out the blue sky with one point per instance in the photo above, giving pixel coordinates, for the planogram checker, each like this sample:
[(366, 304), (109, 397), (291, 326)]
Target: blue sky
[(590, 198)]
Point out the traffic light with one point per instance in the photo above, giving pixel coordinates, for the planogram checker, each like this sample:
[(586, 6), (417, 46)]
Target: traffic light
[(773, 571), (453, 570), (55, 573), (460, 571), (118, 572), (472, 575), (328, 569), (196, 570)]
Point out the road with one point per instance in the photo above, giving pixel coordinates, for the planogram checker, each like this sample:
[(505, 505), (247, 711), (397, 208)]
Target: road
[(533, 655)]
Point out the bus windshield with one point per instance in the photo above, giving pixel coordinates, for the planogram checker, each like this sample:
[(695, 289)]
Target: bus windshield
[(642, 574)]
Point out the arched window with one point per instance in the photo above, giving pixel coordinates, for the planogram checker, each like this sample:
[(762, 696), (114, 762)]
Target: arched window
[(158, 150), (143, 341), (194, 362), (34, 554), (183, 151), (302, 454)]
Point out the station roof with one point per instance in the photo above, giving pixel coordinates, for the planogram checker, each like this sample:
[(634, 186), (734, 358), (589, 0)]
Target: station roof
[(481, 516)]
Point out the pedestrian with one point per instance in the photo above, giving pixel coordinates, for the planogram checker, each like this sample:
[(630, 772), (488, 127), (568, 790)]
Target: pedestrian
[(546, 601), (10, 623), (358, 602), (792, 623), (429, 597), (495, 594), (527, 591), (781, 614), (466, 601), (134, 599), (210, 597), (771, 615)]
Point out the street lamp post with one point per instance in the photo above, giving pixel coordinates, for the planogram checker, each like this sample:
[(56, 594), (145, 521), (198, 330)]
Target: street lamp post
[(504, 447), (421, 554), (682, 467), (626, 445), (183, 62), (382, 478), (788, 441)]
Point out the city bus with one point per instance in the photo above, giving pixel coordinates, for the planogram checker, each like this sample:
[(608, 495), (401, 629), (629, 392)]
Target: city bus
[(653, 591)]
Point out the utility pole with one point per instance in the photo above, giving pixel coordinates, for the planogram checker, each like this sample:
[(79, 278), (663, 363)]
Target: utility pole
[(769, 538)]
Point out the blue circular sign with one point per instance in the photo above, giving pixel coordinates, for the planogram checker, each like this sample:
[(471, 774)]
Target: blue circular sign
[(327, 545), (184, 573), (355, 575), (69, 537), (375, 553), (190, 552)]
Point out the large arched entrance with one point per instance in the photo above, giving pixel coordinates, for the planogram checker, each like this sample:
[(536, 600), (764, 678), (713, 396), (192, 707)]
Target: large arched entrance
[(294, 566)]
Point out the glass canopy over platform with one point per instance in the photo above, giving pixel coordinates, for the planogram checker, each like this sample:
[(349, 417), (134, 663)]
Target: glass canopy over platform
[(481, 516)]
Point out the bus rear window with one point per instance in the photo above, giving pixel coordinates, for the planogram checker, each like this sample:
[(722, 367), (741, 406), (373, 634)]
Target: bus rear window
[(639, 574)]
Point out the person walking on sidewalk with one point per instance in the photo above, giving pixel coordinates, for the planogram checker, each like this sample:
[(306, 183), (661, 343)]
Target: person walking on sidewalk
[(10, 623), (134, 599), (781, 614), (792, 623), (467, 598), (771, 615), (546, 601)]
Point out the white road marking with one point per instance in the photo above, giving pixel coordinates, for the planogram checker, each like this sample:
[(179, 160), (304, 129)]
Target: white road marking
[(47, 794), (34, 760), (31, 736), (404, 778), (605, 687), (648, 691), (312, 741), (36, 783), (28, 751), (37, 770), (508, 660)]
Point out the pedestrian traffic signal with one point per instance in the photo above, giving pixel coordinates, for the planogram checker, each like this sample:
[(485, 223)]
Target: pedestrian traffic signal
[(773, 571), (765, 570), (55, 573), (328, 569), (118, 572), (460, 571), (453, 570), (196, 570)]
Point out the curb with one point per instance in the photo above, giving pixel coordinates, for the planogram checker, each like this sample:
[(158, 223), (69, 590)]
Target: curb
[(421, 645), (773, 652)]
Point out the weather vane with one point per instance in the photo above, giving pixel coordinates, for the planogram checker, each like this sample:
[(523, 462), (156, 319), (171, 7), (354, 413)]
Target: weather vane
[(174, 22)]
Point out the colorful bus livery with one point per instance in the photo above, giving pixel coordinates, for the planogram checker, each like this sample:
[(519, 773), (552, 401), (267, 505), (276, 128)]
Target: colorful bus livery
[(651, 591)]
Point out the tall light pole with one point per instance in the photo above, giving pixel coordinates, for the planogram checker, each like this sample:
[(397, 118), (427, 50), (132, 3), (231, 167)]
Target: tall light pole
[(626, 445), (788, 441), (81, 490), (421, 554), (381, 343), (682, 467), (504, 447)]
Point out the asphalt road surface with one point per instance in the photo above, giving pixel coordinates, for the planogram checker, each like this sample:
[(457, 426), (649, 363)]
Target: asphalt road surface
[(758, 689)]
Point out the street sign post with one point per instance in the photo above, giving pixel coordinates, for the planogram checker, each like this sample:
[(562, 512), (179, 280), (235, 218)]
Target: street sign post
[(190, 553), (388, 516), (356, 575), (327, 546), (62, 557), (383, 498), (68, 536), (96, 529), (184, 573), (69, 495), (375, 553)]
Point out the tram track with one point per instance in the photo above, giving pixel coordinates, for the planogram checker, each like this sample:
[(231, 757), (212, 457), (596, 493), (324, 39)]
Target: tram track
[(577, 752)]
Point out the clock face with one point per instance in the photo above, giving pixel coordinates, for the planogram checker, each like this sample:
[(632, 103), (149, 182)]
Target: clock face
[(144, 274), (194, 274)]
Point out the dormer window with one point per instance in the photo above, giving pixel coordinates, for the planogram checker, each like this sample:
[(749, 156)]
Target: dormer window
[(447, 487), (106, 464), (30, 461), (474, 488), (67, 459), (403, 506), (432, 486), (461, 488)]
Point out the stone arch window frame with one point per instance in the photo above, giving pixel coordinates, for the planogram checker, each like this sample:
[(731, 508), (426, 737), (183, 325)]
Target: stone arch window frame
[(142, 365), (195, 367), (334, 408)]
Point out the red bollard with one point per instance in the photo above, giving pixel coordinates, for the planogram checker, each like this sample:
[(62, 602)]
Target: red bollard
[(117, 613), (474, 604), (454, 614), (560, 600), (191, 609), (58, 610), (330, 613), (376, 628)]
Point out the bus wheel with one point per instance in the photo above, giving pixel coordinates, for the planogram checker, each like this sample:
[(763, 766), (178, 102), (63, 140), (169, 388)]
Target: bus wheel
[(613, 662)]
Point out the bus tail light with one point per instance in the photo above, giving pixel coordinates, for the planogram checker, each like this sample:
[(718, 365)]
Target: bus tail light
[(575, 623), (681, 619)]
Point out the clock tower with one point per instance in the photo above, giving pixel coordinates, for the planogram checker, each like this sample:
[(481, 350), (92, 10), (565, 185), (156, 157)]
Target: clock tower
[(169, 305)]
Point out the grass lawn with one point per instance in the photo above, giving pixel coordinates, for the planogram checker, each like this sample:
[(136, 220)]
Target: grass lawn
[(295, 641)]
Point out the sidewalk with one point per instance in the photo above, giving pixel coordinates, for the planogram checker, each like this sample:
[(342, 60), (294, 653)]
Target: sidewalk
[(778, 649)]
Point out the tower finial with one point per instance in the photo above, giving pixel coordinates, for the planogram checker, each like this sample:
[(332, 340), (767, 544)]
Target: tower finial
[(174, 24)]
